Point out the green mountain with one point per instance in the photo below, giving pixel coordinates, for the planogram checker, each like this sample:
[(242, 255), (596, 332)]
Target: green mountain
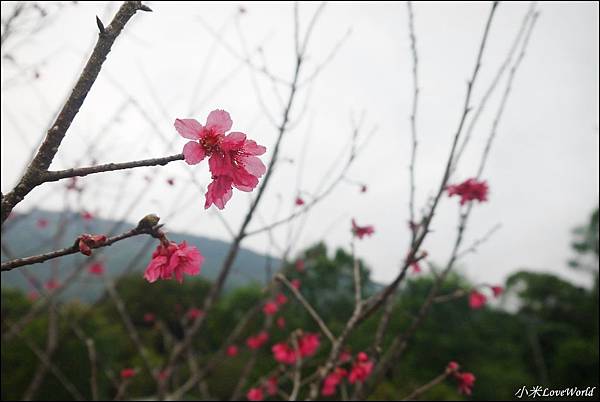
[(22, 237)]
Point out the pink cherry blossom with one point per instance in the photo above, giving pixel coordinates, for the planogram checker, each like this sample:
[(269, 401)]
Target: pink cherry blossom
[(87, 242), (163, 375), (296, 283), (255, 394), (281, 322), (469, 190), (270, 308), (299, 201), (361, 369), (476, 299), (232, 351), (332, 381), (416, 268), (256, 342), (281, 299), (87, 216), (452, 366), (194, 313), (362, 231), (42, 223), (173, 260), (284, 353), (345, 356), (497, 290), (272, 386), (233, 160), (96, 268), (127, 373), (465, 382), (308, 344)]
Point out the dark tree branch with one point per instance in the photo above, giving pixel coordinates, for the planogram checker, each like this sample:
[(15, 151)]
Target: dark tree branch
[(45, 154)]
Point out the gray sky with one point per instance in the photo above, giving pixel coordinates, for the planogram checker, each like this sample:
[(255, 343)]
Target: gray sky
[(543, 170)]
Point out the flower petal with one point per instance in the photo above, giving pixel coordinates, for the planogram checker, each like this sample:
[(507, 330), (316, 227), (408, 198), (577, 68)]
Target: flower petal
[(254, 166), (219, 121), (193, 152), (233, 141), (189, 128)]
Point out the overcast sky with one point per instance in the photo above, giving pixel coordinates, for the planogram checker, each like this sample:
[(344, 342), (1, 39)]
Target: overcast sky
[(542, 171)]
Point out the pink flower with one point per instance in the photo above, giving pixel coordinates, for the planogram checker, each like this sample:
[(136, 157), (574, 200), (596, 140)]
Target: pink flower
[(87, 216), (42, 223), (87, 242), (469, 190), (308, 344), (219, 191), (283, 353), (232, 351), (465, 382), (498, 290), (416, 268), (255, 394), (452, 366), (149, 317), (255, 342), (281, 299), (233, 158), (194, 313), (345, 356), (300, 265), (299, 201), (281, 322), (361, 369), (52, 285), (332, 381), (127, 373), (173, 260), (96, 268), (163, 375), (476, 299), (270, 308), (272, 385), (361, 231), (296, 284)]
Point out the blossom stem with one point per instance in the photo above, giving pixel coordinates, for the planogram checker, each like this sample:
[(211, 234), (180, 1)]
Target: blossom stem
[(36, 259), (55, 175), (426, 387)]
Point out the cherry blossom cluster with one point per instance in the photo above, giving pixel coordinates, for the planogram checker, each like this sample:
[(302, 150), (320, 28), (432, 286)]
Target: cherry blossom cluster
[(478, 299), (232, 160), (358, 372), (469, 190), (465, 380), (308, 344)]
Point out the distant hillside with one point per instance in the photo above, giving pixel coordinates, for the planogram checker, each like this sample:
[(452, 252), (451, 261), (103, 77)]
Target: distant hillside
[(22, 237)]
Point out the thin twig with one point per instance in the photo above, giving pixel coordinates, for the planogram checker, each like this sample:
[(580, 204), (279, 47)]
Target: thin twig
[(36, 259), (315, 316)]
